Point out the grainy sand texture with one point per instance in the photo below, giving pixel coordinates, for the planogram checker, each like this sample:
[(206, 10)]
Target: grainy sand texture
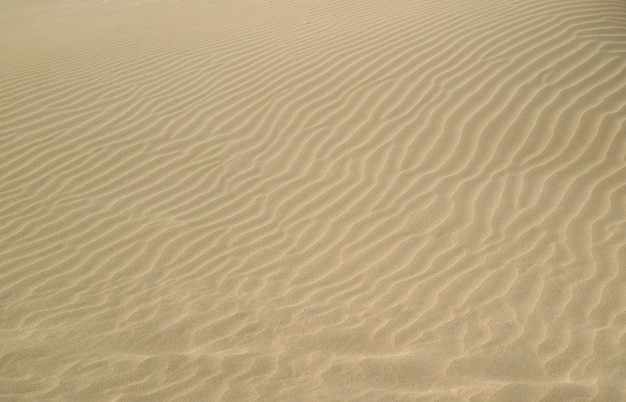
[(313, 200)]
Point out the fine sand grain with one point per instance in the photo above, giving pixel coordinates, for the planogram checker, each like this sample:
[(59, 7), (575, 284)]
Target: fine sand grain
[(316, 200)]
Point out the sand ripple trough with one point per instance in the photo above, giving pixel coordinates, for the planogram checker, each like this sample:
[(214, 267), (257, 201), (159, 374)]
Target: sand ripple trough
[(313, 200)]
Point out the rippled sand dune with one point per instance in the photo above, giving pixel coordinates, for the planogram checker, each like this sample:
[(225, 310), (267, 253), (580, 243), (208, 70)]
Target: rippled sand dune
[(280, 200)]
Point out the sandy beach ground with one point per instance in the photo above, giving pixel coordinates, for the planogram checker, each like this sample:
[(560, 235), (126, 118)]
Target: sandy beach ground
[(281, 200)]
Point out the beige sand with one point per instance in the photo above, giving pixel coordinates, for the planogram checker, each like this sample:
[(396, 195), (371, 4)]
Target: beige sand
[(312, 200)]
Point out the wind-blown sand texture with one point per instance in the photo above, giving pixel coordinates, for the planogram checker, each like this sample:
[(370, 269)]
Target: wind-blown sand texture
[(313, 200)]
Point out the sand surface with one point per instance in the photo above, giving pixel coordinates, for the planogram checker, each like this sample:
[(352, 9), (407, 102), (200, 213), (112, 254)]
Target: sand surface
[(280, 200)]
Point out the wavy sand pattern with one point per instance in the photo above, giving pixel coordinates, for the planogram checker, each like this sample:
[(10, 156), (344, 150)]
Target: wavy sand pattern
[(313, 200)]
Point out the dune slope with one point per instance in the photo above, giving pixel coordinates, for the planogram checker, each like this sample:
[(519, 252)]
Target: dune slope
[(313, 200)]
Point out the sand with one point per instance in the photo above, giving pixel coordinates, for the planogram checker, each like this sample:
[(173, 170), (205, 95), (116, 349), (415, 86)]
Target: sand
[(279, 200)]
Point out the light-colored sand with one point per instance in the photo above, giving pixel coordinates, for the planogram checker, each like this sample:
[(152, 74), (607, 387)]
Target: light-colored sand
[(312, 200)]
